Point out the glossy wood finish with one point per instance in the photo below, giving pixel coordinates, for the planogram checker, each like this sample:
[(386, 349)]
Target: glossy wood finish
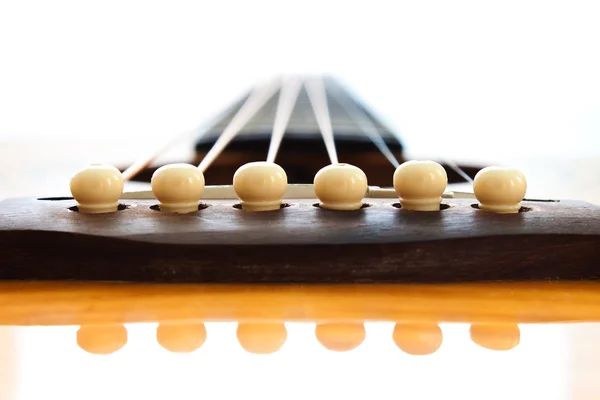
[(45, 240), (416, 310), (39, 303)]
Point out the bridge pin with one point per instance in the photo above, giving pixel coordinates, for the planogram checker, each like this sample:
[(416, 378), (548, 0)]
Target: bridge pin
[(178, 187), (260, 186), (500, 190), (97, 189), (420, 185), (341, 187)]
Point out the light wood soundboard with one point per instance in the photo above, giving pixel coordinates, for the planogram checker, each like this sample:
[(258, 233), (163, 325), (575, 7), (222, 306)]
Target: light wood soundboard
[(492, 310)]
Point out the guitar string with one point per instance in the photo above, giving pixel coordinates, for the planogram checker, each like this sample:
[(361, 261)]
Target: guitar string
[(287, 100), (143, 162), (200, 131), (369, 128), (366, 125), (382, 146), (251, 106), (318, 99), (317, 96), (458, 170), (288, 97)]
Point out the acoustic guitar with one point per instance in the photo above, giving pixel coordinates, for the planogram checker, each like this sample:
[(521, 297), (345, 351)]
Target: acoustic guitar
[(298, 207), (308, 219)]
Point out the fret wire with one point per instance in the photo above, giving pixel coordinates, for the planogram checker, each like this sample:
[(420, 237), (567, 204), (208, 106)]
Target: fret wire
[(257, 99), (287, 100), (366, 125), (318, 100)]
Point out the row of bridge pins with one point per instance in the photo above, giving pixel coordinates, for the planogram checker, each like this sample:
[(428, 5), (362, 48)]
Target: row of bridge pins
[(261, 186)]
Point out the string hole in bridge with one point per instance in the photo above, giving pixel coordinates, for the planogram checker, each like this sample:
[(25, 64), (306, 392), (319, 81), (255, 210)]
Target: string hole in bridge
[(442, 206), (521, 210), (201, 206), (238, 206), (55, 198), (364, 205), (121, 207)]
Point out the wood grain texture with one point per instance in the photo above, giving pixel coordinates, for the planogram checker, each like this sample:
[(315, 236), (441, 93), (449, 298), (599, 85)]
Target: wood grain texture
[(74, 303), (43, 240)]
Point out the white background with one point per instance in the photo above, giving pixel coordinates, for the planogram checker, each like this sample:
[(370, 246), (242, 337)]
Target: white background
[(460, 79), (466, 79)]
